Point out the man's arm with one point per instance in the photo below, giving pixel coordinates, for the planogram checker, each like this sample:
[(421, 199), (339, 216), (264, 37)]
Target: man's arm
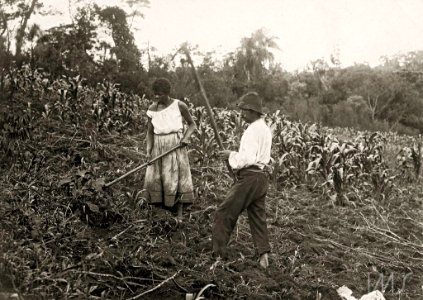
[(247, 154)]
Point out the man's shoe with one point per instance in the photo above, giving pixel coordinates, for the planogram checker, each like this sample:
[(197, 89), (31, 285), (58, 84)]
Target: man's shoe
[(264, 260)]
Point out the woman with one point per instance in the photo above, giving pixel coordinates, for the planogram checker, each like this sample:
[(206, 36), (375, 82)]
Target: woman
[(168, 180)]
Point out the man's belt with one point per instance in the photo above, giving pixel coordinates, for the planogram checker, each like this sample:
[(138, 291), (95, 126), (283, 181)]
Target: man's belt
[(254, 168), (172, 132)]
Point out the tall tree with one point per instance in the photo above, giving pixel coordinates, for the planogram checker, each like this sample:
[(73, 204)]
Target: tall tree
[(126, 56), (27, 9), (19, 11), (125, 50), (67, 48), (379, 90), (253, 59)]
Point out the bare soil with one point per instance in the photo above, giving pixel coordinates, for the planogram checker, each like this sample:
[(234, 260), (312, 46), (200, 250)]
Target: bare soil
[(62, 236)]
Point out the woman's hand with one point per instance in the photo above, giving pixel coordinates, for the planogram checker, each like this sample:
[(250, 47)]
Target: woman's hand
[(184, 142), (183, 108), (148, 155)]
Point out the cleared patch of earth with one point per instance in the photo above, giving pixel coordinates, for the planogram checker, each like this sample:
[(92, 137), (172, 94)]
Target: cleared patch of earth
[(61, 236)]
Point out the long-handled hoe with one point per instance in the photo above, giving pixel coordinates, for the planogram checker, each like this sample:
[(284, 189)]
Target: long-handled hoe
[(106, 185), (183, 49)]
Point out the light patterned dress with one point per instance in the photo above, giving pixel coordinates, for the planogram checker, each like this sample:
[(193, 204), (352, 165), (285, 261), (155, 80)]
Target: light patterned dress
[(168, 180)]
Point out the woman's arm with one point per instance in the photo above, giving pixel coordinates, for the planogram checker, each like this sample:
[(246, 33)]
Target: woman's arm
[(183, 108), (150, 138)]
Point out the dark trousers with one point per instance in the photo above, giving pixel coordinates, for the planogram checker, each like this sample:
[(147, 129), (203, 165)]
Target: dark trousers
[(249, 192)]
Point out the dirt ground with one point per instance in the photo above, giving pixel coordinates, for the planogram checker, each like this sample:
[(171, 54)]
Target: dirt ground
[(64, 237)]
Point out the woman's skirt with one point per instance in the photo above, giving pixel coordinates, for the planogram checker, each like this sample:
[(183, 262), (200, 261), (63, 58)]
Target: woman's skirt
[(168, 180)]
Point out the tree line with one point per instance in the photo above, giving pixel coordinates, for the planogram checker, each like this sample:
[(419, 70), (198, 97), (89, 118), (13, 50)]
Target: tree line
[(99, 46)]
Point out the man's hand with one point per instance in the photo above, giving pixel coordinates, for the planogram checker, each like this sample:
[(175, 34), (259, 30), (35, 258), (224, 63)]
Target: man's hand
[(224, 154)]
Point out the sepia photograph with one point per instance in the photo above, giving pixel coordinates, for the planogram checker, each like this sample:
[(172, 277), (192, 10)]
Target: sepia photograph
[(211, 149)]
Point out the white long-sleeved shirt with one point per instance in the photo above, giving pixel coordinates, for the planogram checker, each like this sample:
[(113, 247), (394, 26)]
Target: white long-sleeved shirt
[(255, 146)]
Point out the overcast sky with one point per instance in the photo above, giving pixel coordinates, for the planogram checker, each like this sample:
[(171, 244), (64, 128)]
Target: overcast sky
[(359, 30)]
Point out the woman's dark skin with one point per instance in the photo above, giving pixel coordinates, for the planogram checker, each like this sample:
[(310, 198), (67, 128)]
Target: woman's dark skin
[(163, 101)]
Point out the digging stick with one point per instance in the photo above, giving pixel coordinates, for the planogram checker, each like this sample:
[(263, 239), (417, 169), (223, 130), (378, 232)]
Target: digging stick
[(142, 166), (184, 48)]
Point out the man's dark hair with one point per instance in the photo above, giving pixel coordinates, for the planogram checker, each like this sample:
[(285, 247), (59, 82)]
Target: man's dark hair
[(161, 86)]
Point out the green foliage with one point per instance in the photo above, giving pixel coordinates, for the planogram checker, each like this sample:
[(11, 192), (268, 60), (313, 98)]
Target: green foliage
[(16, 128), (64, 50), (387, 97), (304, 153), (20, 11), (127, 53), (91, 238), (251, 62), (68, 99)]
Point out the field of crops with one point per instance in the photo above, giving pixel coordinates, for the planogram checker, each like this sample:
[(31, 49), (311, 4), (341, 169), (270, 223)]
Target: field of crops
[(344, 207)]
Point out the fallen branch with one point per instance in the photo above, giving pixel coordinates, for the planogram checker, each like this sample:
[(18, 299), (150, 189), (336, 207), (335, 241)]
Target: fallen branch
[(393, 236), (179, 286), (123, 279), (156, 287), (364, 252)]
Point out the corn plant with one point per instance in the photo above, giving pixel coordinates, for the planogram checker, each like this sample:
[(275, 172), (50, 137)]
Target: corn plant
[(68, 99), (409, 161), (16, 127), (344, 164), (203, 141)]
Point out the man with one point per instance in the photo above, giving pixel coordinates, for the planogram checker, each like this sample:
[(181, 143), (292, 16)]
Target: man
[(249, 192)]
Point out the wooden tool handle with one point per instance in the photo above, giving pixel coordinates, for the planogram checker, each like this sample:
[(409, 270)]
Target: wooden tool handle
[(142, 166)]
